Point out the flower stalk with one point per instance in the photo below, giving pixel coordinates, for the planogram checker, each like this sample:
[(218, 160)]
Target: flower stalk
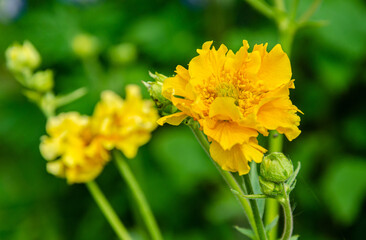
[(138, 195), (254, 205), (288, 225), (108, 211), (228, 177)]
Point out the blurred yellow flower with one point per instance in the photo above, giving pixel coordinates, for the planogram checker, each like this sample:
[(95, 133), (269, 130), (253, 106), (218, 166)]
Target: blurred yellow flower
[(124, 124), (71, 149), (234, 96), (22, 57)]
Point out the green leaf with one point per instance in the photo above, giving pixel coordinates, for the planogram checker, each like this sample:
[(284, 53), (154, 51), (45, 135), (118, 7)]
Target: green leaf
[(256, 187), (245, 231), (272, 224), (344, 188), (295, 237)]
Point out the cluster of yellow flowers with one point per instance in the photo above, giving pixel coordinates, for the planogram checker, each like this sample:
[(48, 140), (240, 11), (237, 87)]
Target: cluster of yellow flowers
[(235, 96), (78, 146)]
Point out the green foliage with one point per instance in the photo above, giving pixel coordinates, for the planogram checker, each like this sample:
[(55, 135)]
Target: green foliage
[(344, 188), (246, 232), (183, 187)]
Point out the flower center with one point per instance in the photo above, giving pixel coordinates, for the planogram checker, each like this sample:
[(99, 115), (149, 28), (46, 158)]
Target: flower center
[(247, 92), (226, 89)]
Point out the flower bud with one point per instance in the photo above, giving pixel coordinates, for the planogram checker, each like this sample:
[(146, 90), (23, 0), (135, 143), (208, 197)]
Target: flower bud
[(155, 87), (22, 58), (42, 81), (276, 167), (123, 53), (269, 188), (85, 45)]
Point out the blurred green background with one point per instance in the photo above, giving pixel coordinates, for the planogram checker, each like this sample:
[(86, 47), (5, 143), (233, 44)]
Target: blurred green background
[(188, 196)]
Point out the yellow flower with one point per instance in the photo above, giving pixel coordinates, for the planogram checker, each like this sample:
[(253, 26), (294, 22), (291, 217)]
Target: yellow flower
[(235, 96), (71, 149), (124, 124)]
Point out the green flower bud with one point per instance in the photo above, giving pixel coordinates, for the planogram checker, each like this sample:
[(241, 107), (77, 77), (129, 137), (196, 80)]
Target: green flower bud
[(276, 167), (123, 53), (85, 45), (42, 81), (155, 87), (269, 188), (21, 58)]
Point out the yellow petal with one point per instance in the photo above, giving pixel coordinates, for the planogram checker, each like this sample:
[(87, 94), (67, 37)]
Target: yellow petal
[(279, 114), (252, 151), (227, 133), (275, 69), (173, 119), (176, 85), (133, 92), (254, 63), (224, 108), (235, 159), (208, 63), (82, 174), (130, 144), (56, 168)]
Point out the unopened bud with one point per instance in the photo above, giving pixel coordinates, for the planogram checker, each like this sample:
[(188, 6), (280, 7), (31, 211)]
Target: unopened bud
[(42, 81), (85, 45), (276, 167), (155, 87), (269, 188), (22, 57)]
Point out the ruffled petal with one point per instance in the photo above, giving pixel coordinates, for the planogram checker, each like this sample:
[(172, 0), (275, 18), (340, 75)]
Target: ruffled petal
[(253, 63), (279, 114), (227, 133), (209, 63), (275, 69), (224, 108), (252, 151), (236, 159), (176, 86), (173, 119)]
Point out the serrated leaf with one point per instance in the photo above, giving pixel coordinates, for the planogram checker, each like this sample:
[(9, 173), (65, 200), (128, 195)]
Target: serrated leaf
[(245, 231), (272, 224)]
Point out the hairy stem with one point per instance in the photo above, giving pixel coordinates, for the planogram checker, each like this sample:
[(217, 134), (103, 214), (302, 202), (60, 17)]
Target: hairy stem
[(228, 177), (254, 205), (288, 226)]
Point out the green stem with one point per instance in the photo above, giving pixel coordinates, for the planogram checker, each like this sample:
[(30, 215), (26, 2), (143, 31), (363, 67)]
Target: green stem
[(311, 10), (271, 213), (253, 203), (228, 177), (280, 4), (262, 7), (93, 68), (288, 226), (108, 211), (275, 142), (70, 97), (272, 207), (287, 30), (138, 195)]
